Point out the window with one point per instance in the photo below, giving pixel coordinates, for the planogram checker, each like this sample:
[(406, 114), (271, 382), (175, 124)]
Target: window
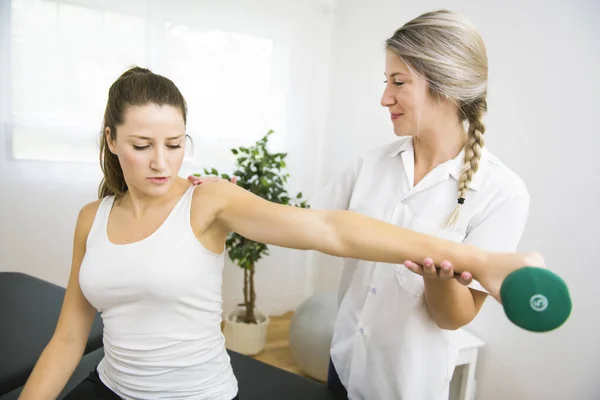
[(65, 54), (63, 59), (227, 80)]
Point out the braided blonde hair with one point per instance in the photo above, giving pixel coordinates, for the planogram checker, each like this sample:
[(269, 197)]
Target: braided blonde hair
[(446, 49)]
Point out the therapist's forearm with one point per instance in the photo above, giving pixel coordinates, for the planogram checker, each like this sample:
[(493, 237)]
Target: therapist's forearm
[(450, 303)]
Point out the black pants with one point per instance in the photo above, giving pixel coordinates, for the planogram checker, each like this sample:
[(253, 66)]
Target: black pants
[(92, 388), (334, 384)]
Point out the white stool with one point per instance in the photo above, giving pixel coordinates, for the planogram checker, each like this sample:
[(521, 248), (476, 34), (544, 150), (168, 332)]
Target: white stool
[(462, 385)]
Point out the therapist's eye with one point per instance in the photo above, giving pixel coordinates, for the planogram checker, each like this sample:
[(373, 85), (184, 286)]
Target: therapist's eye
[(397, 83)]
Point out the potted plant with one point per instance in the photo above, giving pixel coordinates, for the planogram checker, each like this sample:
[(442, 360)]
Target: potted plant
[(262, 173)]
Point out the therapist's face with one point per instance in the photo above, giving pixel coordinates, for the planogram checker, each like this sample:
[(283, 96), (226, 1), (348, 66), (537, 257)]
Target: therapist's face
[(406, 95)]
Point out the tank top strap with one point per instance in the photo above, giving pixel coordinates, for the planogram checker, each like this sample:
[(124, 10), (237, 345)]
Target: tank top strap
[(186, 201), (180, 217), (98, 229)]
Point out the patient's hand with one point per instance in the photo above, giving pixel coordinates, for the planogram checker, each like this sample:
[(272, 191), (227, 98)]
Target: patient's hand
[(445, 271)]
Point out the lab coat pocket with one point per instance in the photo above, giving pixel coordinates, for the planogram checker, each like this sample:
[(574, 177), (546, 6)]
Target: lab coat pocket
[(407, 279)]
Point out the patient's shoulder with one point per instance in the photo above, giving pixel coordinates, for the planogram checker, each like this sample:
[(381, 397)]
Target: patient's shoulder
[(207, 201), (210, 195), (86, 217)]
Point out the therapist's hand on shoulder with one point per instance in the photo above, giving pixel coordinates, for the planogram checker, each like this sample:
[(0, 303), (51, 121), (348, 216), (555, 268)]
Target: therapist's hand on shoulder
[(444, 271), (198, 180)]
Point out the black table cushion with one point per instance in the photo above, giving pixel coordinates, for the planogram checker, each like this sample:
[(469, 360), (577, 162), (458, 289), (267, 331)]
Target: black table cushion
[(29, 310), (86, 365), (260, 381)]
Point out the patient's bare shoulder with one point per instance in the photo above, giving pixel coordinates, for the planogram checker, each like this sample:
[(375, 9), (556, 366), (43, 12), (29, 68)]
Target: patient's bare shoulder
[(208, 200), (86, 217)]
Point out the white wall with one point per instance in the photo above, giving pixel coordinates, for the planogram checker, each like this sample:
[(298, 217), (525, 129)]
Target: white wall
[(543, 100)]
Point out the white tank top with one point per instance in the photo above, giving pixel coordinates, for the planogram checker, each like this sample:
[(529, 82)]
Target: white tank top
[(160, 300)]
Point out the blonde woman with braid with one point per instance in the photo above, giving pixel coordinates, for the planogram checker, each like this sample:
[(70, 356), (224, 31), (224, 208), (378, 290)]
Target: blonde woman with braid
[(393, 335)]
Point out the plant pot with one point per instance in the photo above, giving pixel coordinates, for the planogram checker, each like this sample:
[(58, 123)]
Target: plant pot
[(248, 339)]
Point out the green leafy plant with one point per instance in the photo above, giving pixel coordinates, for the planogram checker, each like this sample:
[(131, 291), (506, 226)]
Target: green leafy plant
[(261, 173)]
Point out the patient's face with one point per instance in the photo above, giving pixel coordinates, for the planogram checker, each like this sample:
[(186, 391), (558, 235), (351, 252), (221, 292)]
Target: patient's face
[(150, 145)]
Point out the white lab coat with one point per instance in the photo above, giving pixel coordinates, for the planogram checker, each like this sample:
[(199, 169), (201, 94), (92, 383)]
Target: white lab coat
[(385, 344)]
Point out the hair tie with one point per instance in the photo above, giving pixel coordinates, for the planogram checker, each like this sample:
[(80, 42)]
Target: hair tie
[(461, 200)]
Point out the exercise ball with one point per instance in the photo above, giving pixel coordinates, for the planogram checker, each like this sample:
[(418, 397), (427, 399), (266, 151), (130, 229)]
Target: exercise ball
[(311, 330)]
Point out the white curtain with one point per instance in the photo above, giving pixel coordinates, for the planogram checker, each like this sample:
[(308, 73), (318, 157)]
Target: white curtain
[(244, 67)]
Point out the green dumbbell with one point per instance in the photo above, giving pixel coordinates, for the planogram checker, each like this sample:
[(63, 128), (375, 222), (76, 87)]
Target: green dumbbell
[(535, 299)]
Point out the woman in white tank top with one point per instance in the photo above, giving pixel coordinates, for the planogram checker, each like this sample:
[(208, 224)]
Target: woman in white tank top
[(149, 254)]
